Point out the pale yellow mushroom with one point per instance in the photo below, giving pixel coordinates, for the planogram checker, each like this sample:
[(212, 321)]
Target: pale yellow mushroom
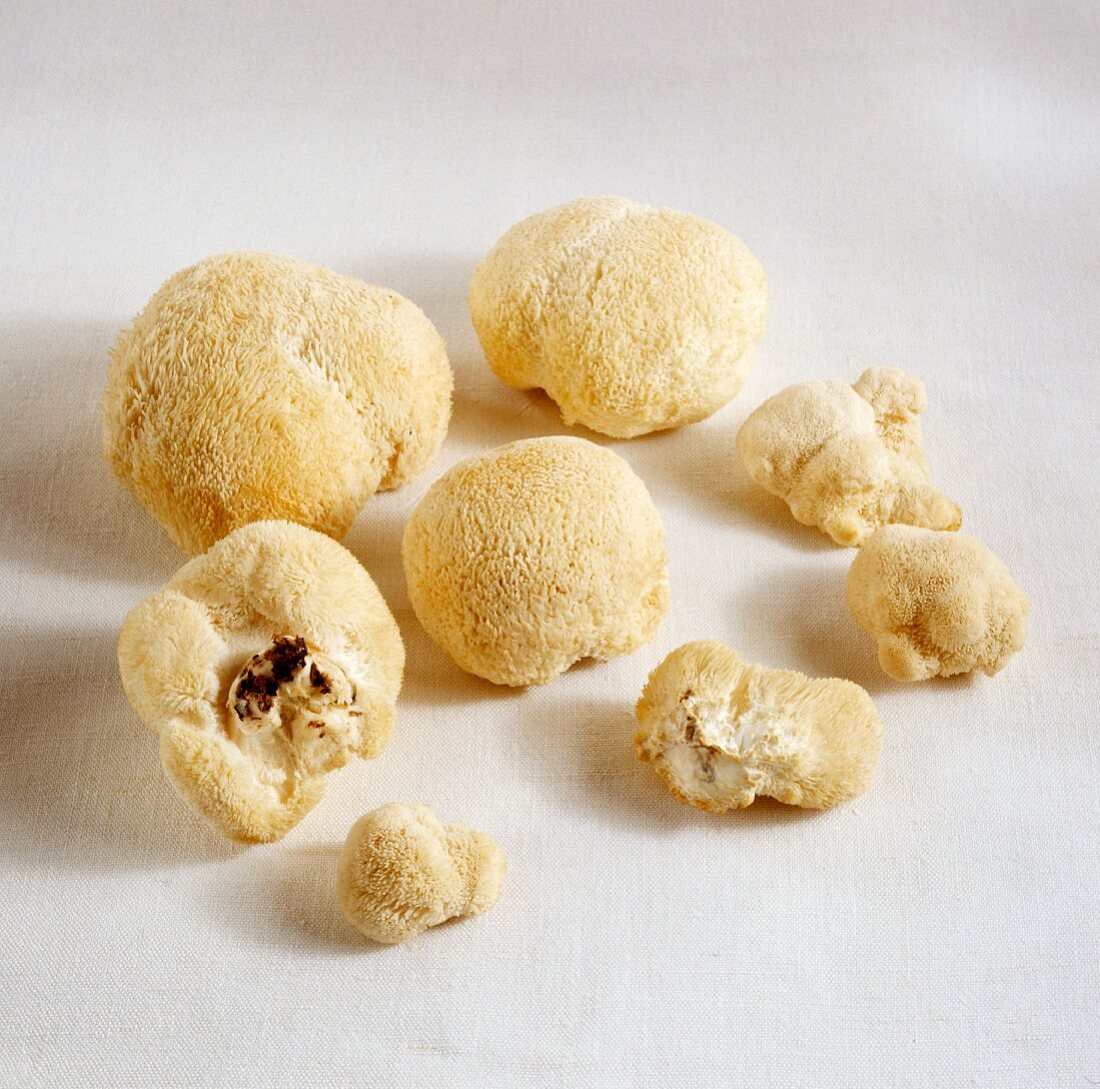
[(254, 386), (261, 666), (401, 872), (938, 603), (720, 732), (847, 459), (632, 318), (528, 558)]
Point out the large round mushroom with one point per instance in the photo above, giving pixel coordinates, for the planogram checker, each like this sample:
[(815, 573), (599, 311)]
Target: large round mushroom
[(528, 558), (632, 318), (254, 386)]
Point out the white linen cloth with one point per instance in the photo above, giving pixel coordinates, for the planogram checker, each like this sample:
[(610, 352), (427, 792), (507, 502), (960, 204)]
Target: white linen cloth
[(920, 182)]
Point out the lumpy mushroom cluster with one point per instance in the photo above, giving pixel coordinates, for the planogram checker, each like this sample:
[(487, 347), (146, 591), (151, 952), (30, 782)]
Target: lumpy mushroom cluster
[(257, 402)]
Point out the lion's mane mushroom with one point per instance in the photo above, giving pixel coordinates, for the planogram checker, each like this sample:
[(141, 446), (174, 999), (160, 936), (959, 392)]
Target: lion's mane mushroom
[(262, 665), (720, 731), (938, 603), (632, 318), (528, 558), (847, 459), (401, 871), (254, 386)]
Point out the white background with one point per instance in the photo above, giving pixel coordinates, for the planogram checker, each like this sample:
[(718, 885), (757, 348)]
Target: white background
[(920, 181)]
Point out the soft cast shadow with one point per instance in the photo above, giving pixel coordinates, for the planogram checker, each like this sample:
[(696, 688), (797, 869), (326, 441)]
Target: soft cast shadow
[(960, 682), (62, 509), (433, 680), (375, 540), (765, 514), (483, 419), (80, 778), (686, 466), (698, 466), (613, 786), (285, 897), (801, 612)]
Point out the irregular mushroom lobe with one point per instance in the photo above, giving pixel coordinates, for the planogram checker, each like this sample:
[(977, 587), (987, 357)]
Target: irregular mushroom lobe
[(848, 459), (694, 761), (401, 872), (960, 627), (720, 753), (294, 709)]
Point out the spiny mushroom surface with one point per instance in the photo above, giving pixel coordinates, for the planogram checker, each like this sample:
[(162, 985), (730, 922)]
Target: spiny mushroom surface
[(401, 871), (261, 666), (632, 318), (938, 603), (847, 459), (528, 558), (720, 732), (254, 386)]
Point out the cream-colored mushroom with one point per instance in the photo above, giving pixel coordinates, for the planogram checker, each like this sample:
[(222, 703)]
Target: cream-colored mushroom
[(938, 603), (720, 732), (847, 459), (261, 666), (254, 386), (632, 318), (528, 558), (401, 872)]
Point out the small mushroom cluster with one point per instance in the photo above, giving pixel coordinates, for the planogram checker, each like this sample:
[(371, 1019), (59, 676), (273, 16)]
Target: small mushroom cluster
[(848, 460), (257, 402)]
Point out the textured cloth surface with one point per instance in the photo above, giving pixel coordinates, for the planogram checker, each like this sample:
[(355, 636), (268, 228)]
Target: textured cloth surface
[(920, 182)]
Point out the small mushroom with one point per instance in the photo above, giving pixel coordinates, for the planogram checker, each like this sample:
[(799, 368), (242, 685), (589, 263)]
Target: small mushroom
[(720, 732), (401, 871), (938, 603), (847, 459)]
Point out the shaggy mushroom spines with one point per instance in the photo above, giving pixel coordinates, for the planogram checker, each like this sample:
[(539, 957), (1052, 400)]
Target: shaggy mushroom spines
[(254, 386), (938, 604), (631, 318), (530, 557), (401, 871), (720, 732), (256, 690), (847, 459)]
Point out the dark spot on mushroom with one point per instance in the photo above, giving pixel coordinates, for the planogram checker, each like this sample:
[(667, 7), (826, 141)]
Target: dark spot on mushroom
[(706, 768), (689, 730), (255, 694), (287, 656), (318, 680), (316, 724)]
